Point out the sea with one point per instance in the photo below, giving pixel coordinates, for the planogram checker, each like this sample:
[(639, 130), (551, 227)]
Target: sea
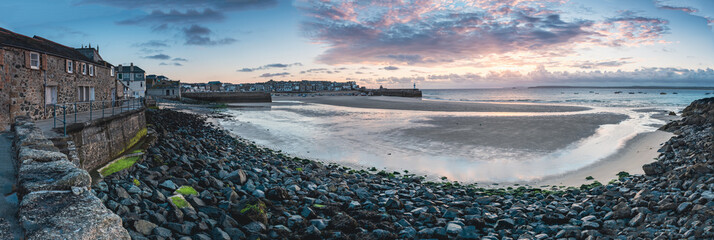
[(363, 138)]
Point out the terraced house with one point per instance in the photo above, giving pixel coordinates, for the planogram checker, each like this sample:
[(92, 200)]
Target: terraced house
[(37, 74)]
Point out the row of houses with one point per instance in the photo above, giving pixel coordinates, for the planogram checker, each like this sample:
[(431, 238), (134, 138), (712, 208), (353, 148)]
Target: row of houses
[(37, 75), (272, 86)]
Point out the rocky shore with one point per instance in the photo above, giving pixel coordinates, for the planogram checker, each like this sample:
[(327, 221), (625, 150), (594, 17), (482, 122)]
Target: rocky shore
[(198, 182)]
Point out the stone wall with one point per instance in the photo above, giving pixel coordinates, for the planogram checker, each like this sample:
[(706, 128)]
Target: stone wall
[(55, 199), (23, 89), (396, 92), (229, 97), (100, 141)]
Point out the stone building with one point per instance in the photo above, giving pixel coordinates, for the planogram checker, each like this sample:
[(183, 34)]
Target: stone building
[(165, 89), (37, 74), (133, 77)]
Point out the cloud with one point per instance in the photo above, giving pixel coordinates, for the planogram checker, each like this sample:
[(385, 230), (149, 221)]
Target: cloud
[(266, 75), (178, 64), (163, 64), (599, 64), (230, 5), (431, 32), (152, 44), (695, 8), (390, 68), (269, 66), (425, 32), (628, 29), (683, 9), (541, 76), (174, 16), (180, 59), (159, 57), (198, 35)]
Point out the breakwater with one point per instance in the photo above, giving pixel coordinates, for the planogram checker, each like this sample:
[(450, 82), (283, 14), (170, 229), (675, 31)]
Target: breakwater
[(395, 92), (229, 97), (200, 182), (55, 199)]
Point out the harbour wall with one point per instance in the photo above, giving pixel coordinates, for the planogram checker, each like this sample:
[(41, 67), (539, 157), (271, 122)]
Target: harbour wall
[(229, 97), (102, 140)]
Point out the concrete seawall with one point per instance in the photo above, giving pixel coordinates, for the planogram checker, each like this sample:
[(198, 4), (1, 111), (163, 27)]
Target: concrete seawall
[(100, 141), (55, 197), (229, 97)]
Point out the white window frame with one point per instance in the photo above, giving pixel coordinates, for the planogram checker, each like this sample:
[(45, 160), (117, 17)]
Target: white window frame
[(111, 73), (91, 70), (84, 69), (85, 94), (70, 66), (37, 62)]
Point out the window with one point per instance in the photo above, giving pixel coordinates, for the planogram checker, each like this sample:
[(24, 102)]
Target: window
[(34, 60), (85, 94), (120, 76), (50, 95), (70, 67), (139, 75), (111, 73), (141, 84), (84, 69), (91, 70)]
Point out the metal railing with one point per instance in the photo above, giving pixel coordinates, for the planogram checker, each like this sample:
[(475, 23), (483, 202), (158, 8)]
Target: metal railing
[(93, 108)]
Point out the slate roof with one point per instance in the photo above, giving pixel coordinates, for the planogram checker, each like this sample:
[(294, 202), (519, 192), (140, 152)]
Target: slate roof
[(125, 69), (42, 45)]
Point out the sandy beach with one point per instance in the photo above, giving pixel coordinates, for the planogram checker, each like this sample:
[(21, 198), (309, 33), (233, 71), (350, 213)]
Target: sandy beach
[(438, 133), (417, 104)]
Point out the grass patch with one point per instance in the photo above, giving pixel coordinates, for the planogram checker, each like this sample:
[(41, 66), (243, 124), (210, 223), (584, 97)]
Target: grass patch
[(219, 106), (186, 190), (136, 182), (179, 202), (118, 165), (134, 140), (589, 178), (622, 175), (258, 207), (299, 169)]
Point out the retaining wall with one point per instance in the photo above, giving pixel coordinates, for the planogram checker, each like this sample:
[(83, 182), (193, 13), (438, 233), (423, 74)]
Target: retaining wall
[(55, 197), (100, 141), (229, 97)]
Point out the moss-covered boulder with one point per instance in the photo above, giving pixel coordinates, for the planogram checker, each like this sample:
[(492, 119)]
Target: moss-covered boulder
[(250, 210)]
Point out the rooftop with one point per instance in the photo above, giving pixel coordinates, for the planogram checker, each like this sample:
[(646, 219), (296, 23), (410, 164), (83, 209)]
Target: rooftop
[(42, 45)]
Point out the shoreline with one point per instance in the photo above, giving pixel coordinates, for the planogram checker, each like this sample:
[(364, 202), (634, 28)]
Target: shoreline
[(629, 158), (638, 151), (245, 191)]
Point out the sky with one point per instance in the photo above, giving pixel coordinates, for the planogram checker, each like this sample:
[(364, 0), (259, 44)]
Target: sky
[(392, 43)]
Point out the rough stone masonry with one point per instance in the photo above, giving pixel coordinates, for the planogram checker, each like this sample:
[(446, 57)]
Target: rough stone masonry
[(56, 202)]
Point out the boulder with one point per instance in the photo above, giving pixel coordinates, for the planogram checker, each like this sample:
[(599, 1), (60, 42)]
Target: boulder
[(63, 215)]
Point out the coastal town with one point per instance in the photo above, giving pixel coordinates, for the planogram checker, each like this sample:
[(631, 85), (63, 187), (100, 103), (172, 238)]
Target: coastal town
[(266, 119)]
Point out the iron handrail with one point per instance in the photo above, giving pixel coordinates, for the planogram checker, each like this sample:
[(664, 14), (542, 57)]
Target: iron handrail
[(76, 107)]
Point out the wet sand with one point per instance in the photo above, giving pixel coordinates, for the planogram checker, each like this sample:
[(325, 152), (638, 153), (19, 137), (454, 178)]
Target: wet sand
[(539, 133), (442, 128), (417, 104), (640, 150)]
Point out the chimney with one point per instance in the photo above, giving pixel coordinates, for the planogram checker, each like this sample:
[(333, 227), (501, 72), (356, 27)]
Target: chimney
[(131, 68)]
